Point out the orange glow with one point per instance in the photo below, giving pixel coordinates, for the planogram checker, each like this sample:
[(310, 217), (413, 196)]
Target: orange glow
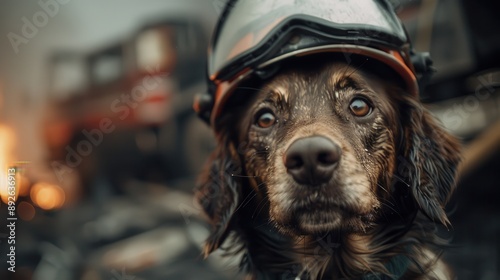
[(7, 140), (23, 185), (47, 196)]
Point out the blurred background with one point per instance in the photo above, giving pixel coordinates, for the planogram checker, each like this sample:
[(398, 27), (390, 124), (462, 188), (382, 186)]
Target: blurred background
[(95, 114)]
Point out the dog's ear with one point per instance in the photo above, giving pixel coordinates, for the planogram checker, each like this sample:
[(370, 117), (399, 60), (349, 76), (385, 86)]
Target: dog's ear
[(431, 159), (218, 191)]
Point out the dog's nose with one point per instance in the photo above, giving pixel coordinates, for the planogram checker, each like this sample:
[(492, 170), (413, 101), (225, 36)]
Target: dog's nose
[(312, 160)]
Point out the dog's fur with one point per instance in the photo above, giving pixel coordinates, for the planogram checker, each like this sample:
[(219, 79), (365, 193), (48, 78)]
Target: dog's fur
[(395, 175)]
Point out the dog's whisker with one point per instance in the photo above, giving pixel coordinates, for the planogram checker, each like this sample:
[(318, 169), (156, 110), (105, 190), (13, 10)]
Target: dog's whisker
[(259, 207), (401, 180), (380, 186), (393, 209), (251, 88), (242, 176), (388, 201), (259, 153), (247, 200), (357, 68), (263, 224), (346, 68)]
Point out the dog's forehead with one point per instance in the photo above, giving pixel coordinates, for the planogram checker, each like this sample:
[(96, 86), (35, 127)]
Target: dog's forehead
[(335, 76)]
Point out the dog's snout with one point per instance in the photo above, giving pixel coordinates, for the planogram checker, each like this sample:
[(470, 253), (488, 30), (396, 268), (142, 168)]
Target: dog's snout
[(312, 160)]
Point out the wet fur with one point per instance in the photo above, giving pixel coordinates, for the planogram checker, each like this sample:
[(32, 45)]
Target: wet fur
[(387, 196)]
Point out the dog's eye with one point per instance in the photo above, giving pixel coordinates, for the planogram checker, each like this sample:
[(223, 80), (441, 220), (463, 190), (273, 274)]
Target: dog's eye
[(266, 120), (360, 107)]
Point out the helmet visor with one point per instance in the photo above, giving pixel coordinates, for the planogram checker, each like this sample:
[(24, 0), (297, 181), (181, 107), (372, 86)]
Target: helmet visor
[(256, 30)]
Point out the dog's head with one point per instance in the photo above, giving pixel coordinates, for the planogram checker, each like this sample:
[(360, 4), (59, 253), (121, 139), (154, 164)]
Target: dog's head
[(327, 146)]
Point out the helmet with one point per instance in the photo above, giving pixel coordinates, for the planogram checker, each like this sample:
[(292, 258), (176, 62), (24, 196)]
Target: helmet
[(253, 37)]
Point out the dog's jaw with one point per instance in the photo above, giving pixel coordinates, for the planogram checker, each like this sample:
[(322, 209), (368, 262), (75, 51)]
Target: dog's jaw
[(320, 218), (331, 220)]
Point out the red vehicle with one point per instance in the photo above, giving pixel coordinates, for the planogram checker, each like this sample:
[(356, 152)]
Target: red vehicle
[(128, 109)]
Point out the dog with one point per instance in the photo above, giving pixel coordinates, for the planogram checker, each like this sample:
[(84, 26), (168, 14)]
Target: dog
[(330, 170)]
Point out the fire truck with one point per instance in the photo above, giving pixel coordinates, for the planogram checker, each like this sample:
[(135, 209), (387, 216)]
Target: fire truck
[(124, 111)]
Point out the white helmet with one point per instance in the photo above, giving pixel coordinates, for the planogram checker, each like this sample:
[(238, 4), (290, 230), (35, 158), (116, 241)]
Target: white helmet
[(255, 36)]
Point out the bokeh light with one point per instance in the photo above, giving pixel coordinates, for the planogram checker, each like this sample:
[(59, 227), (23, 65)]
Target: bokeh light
[(47, 196)]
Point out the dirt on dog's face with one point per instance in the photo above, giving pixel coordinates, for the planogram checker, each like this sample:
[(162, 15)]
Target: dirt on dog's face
[(321, 143)]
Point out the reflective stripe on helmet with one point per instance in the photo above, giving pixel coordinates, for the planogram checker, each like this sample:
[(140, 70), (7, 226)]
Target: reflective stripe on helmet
[(391, 58)]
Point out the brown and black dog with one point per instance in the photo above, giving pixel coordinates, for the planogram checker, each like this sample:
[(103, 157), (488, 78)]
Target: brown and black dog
[(330, 171)]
